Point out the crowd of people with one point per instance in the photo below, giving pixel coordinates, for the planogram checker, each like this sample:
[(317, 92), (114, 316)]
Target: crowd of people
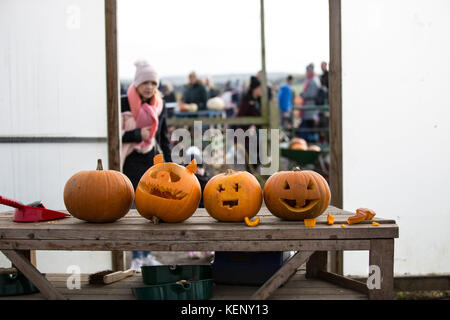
[(144, 116)]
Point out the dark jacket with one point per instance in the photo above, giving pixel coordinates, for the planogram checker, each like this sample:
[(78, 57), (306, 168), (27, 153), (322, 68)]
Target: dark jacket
[(196, 94), (137, 163), (248, 107)]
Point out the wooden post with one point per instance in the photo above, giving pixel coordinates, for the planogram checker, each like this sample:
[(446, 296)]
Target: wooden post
[(317, 262), (113, 108), (335, 101), (382, 255), (264, 100)]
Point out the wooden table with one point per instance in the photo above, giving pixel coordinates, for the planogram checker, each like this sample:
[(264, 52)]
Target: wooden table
[(203, 233)]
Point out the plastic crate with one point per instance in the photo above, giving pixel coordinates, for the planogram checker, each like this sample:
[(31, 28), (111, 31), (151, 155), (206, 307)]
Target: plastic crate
[(246, 268)]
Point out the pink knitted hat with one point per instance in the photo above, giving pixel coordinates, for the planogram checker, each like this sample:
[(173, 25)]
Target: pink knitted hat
[(144, 72)]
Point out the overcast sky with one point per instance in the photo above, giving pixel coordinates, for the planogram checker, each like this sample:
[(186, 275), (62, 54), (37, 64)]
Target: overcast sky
[(218, 36)]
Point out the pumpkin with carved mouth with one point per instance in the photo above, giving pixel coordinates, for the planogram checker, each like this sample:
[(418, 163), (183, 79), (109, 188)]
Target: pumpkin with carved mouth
[(296, 195), (168, 191), (232, 196)]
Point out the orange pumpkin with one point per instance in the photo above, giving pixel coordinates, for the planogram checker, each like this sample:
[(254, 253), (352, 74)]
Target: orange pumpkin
[(232, 196), (296, 195), (98, 195), (168, 191), (314, 148), (298, 144)]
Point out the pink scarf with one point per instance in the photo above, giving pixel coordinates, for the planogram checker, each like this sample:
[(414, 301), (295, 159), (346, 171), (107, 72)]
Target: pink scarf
[(142, 115)]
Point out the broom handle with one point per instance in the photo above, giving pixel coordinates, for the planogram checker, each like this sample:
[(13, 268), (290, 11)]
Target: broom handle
[(11, 203)]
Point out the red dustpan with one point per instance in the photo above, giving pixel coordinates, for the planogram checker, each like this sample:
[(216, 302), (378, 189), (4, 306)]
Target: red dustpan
[(32, 213)]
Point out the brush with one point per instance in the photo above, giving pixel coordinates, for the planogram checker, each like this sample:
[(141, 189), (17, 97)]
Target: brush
[(108, 276)]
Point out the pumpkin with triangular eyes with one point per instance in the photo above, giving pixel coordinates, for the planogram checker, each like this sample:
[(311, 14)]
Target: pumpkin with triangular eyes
[(168, 191), (296, 195), (232, 196)]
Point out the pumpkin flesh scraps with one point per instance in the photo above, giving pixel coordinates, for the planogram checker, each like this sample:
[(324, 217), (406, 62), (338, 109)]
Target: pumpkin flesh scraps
[(357, 218), (330, 219), (296, 206), (310, 223), (253, 223)]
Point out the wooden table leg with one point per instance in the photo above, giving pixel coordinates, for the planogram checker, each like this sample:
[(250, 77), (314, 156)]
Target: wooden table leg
[(20, 261), (280, 277), (318, 261), (382, 255)]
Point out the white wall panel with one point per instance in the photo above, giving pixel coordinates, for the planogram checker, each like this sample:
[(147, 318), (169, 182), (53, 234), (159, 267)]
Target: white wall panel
[(396, 128), (52, 68), (52, 83)]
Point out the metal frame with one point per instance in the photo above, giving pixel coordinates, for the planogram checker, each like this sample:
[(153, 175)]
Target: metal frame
[(269, 117)]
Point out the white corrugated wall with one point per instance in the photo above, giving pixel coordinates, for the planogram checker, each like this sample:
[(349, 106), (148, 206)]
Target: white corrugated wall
[(52, 84), (396, 126)]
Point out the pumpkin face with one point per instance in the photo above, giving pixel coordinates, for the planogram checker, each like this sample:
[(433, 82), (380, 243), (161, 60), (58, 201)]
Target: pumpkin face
[(232, 196), (168, 191), (98, 195), (296, 195)]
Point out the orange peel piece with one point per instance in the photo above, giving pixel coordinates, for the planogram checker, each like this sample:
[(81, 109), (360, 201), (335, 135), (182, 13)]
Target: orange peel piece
[(253, 223), (343, 226), (369, 213), (357, 218), (375, 224), (330, 219), (310, 223)]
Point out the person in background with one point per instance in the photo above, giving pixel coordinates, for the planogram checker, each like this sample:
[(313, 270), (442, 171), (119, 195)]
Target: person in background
[(269, 86), (211, 89), (144, 134), (250, 107), (324, 76), (168, 92), (202, 175), (168, 97), (195, 92), (285, 100), (231, 97), (310, 118)]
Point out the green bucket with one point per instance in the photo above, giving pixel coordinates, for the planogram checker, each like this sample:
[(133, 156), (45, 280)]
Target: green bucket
[(14, 284), (181, 290), (168, 274)]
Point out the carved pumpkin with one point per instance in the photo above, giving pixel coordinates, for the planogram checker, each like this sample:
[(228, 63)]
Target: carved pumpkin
[(98, 195), (298, 144), (168, 191), (296, 195), (232, 196)]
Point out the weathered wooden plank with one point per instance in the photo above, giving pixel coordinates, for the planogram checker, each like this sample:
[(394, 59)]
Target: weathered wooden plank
[(282, 275), (343, 281), (222, 231), (105, 245), (382, 255), (32, 274)]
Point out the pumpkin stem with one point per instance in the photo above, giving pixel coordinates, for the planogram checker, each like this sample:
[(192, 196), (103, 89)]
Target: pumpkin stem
[(296, 169), (229, 171), (99, 164)]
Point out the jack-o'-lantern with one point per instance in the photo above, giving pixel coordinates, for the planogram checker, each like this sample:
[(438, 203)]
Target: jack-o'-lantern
[(232, 196), (296, 195), (168, 191)]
